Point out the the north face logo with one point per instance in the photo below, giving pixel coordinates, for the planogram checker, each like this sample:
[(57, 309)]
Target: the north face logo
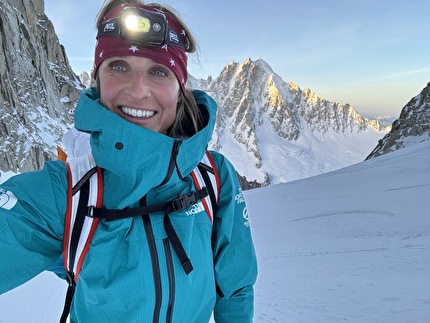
[(7, 199), (240, 198), (195, 209)]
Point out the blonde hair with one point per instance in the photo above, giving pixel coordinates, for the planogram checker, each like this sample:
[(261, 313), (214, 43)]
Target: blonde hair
[(188, 119)]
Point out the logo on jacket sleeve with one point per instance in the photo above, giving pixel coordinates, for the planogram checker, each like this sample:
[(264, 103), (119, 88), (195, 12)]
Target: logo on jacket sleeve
[(195, 209), (246, 217), (240, 199), (7, 199)]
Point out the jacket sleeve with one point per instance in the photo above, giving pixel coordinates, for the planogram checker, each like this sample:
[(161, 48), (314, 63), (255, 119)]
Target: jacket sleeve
[(234, 254), (32, 208)]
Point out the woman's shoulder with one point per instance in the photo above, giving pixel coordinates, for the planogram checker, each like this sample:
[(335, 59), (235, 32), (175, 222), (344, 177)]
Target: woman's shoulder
[(223, 164), (42, 191), (52, 175)]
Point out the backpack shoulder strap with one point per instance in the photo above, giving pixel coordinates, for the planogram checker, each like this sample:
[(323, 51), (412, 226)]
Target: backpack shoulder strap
[(206, 175), (85, 189)]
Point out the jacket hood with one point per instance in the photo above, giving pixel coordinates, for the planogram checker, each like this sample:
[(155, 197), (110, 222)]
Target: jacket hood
[(135, 159)]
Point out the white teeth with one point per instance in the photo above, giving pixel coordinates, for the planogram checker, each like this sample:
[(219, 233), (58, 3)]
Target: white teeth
[(137, 113)]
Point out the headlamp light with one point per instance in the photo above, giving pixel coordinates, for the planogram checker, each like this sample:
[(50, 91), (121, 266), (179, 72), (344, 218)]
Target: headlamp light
[(143, 27), (137, 24)]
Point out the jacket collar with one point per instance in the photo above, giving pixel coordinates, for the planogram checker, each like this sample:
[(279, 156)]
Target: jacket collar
[(136, 160)]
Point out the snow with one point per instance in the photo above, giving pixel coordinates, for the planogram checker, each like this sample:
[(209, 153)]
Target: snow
[(352, 245), (313, 153), (4, 176)]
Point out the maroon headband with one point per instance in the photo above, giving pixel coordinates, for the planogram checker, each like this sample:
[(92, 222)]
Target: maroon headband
[(171, 56)]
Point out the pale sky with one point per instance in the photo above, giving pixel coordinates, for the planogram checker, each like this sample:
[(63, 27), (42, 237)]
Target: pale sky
[(372, 54)]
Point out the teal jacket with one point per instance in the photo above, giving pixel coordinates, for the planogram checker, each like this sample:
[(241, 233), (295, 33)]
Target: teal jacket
[(116, 283)]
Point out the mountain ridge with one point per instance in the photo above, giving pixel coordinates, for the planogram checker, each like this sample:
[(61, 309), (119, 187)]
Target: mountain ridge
[(272, 130), (257, 107)]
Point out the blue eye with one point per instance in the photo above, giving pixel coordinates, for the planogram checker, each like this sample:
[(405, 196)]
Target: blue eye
[(117, 67), (159, 72)]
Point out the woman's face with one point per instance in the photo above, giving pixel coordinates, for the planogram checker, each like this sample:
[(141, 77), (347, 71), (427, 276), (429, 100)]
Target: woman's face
[(139, 90)]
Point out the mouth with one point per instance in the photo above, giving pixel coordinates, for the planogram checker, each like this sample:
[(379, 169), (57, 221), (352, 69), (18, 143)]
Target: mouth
[(137, 113)]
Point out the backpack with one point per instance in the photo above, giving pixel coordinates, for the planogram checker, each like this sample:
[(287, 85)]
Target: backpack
[(85, 208)]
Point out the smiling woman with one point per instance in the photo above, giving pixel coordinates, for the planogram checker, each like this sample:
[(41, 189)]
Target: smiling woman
[(145, 245)]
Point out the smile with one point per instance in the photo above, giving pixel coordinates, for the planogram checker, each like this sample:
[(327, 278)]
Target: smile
[(137, 113)]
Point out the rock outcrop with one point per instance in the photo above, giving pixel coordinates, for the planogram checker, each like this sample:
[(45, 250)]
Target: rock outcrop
[(412, 126), (38, 89)]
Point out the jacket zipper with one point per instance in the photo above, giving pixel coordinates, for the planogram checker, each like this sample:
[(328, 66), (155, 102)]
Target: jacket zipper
[(172, 162), (171, 274), (155, 266)]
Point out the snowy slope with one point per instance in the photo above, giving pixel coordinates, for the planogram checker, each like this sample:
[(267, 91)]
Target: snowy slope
[(352, 245)]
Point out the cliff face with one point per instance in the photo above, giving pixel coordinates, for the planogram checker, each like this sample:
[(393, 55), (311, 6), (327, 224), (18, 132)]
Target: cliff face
[(38, 89), (412, 126)]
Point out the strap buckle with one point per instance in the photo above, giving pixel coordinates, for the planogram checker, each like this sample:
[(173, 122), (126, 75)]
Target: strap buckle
[(90, 211), (184, 201)]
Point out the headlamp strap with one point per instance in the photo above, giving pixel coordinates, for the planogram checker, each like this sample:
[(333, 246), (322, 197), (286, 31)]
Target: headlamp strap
[(149, 28)]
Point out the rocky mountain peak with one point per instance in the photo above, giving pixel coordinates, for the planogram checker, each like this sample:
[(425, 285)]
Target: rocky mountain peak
[(38, 89), (412, 126), (257, 109)]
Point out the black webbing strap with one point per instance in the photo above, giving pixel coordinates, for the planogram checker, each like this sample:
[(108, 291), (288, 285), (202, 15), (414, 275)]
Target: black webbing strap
[(204, 169), (83, 180), (177, 245), (177, 204), (171, 232), (180, 203), (112, 214), (69, 298)]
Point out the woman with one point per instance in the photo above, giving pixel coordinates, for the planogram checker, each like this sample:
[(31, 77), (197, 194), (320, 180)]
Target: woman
[(148, 132)]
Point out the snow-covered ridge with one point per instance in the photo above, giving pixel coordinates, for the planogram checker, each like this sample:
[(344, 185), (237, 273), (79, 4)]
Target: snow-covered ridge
[(274, 132)]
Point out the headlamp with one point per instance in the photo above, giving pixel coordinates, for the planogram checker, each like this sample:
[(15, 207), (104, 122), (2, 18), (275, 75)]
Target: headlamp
[(143, 27)]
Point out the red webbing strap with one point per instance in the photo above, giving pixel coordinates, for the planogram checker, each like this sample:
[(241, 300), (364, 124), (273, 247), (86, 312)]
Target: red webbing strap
[(68, 219), (94, 223), (78, 227)]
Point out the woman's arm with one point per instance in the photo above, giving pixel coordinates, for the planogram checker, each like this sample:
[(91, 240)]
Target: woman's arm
[(32, 208), (234, 255)]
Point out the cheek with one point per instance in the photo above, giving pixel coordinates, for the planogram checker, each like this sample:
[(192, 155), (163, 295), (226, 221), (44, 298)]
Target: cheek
[(167, 96), (170, 103), (107, 91)]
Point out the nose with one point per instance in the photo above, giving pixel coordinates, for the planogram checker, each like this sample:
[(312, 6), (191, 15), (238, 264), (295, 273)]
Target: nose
[(139, 87)]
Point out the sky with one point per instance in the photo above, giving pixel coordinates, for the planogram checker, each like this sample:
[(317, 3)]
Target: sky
[(347, 246), (372, 54)]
